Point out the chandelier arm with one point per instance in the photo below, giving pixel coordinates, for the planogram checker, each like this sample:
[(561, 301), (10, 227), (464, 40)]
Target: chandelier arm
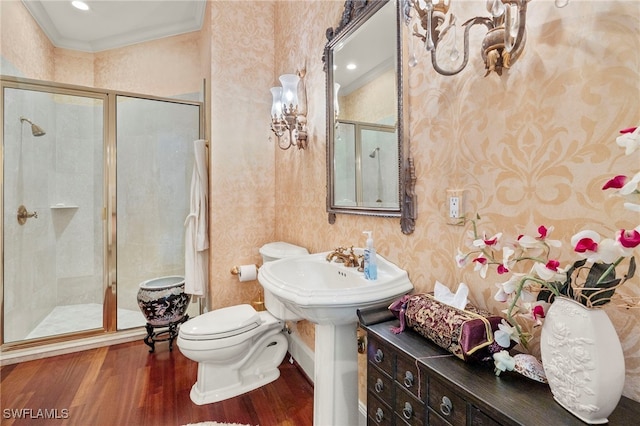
[(470, 23)]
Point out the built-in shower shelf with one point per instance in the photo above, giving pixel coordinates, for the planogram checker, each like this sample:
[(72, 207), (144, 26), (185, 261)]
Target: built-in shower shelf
[(63, 206)]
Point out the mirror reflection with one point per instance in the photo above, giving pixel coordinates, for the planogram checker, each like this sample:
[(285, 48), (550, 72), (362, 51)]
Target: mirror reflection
[(363, 136)]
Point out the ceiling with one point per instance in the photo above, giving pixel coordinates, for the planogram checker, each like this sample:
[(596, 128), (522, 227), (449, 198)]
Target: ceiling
[(372, 48), (110, 24)]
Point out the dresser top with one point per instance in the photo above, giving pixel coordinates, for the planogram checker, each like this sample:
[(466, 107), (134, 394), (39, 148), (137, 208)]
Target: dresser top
[(509, 398)]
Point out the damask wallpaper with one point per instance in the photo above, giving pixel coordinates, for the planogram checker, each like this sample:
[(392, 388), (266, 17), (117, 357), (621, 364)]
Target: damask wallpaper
[(530, 148)]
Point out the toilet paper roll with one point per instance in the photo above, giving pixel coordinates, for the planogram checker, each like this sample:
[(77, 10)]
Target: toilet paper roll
[(247, 273)]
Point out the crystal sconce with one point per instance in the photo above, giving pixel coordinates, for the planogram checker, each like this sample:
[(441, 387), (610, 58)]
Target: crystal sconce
[(502, 45), (288, 119)]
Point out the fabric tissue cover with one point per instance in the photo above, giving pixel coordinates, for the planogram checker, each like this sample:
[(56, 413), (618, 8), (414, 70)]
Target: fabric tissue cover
[(465, 333)]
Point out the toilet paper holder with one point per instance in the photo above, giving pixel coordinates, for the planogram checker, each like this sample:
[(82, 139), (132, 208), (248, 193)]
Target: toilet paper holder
[(236, 270)]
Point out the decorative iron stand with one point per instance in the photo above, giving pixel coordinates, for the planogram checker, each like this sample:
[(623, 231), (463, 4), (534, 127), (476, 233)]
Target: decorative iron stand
[(168, 332)]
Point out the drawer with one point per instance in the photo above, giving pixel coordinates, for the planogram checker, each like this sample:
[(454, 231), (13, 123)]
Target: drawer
[(408, 407), (446, 403), (380, 355), (379, 383), (408, 376), (434, 419), (478, 418), (378, 412)]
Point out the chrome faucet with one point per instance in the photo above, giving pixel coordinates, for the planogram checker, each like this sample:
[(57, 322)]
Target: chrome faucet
[(340, 255)]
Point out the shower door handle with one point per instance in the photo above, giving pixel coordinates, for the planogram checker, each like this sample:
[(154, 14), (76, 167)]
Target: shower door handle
[(23, 215)]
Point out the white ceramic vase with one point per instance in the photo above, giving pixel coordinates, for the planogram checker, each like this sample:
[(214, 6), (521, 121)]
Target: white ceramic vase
[(583, 360)]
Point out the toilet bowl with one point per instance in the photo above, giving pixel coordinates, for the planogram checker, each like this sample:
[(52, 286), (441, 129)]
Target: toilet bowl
[(237, 348)]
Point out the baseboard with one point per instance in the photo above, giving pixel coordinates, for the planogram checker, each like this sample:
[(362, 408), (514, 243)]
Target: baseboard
[(362, 409), (302, 354), (304, 357), (15, 356)]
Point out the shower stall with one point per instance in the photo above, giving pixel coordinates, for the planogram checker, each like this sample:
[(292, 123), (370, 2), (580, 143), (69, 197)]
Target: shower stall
[(366, 169), (94, 195)]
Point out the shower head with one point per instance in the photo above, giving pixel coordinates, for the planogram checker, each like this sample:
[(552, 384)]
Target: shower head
[(373, 153), (35, 129)]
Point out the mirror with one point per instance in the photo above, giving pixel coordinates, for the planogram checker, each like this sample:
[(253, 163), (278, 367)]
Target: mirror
[(367, 171)]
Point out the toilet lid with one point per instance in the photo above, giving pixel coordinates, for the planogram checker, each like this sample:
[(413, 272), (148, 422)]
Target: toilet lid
[(221, 323)]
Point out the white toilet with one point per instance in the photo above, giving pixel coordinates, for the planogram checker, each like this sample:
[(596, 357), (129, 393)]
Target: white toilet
[(237, 348)]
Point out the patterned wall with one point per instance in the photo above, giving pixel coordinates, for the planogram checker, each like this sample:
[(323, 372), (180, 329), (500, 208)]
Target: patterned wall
[(531, 147)]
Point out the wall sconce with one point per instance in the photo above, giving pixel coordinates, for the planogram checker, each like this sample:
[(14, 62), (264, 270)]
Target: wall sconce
[(502, 45), (288, 119)]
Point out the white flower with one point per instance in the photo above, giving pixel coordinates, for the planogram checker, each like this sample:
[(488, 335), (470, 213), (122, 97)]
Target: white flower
[(485, 242), (631, 185), (503, 362), (629, 141), (505, 334), (507, 252), (633, 207), (529, 242), (461, 259), (608, 251), (547, 274)]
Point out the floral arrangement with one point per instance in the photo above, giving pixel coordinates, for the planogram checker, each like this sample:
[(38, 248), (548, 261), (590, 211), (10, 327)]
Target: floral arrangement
[(535, 277)]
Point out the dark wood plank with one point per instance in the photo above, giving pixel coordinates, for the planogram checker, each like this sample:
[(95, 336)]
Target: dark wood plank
[(126, 385)]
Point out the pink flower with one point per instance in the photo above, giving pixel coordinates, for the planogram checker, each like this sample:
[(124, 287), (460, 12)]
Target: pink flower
[(616, 182), (538, 242), (486, 241), (629, 239), (586, 244), (482, 265), (481, 260), (492, 241), (553, 265), (537, 312), (542, 230)]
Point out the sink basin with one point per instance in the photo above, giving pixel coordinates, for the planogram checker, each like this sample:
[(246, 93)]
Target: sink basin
[(329, 295), (329, 292)]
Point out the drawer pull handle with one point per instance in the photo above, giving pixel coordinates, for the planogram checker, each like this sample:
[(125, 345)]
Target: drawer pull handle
[(379, 356), (408, 379), (379, 386), (379, 415), (446, 406), (407, 412)]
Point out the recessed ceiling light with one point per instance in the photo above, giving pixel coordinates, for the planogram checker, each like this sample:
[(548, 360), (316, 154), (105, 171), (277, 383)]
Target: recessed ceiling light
[(351, 66), (80, 5)]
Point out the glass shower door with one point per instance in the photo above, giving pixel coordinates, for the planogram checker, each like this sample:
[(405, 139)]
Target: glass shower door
[(52, 203), (155, 156)]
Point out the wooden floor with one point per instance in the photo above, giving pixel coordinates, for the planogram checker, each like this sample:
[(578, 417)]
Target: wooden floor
[(126, 385)]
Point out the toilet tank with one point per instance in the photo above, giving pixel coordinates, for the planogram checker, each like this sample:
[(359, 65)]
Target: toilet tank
[(280, 250), (275, 251)]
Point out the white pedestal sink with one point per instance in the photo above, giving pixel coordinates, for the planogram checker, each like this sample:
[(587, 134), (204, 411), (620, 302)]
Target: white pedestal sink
[(328, 294)]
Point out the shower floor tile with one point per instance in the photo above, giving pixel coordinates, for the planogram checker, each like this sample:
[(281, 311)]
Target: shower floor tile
[(88, 316)]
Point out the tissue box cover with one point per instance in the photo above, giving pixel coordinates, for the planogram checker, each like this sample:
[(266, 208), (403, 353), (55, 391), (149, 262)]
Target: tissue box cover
[(465, 333)]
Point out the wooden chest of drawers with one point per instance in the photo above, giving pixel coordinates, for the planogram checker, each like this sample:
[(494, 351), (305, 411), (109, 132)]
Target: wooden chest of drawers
[(411, 381)]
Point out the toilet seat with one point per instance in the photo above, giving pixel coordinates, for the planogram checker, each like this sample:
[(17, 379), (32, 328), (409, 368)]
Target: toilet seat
[(221, 323)]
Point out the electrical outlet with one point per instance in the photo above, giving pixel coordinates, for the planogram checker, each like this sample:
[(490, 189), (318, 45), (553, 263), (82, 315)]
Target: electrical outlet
[(454, 207), (455, 210)]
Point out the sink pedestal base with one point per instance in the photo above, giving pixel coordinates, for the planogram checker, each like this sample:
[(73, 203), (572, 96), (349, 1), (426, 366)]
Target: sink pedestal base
[(335, 397)]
